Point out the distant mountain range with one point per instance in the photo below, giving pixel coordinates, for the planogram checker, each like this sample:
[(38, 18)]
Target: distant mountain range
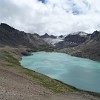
[(51, 39), (66, 41), (78, 44), (72, 40), (88, 47)]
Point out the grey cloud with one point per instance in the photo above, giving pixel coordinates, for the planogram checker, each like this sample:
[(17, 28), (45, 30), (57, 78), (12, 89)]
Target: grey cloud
[(54, 17)]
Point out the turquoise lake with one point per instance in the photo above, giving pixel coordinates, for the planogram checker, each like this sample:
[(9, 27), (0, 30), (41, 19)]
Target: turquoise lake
[(78, 72)]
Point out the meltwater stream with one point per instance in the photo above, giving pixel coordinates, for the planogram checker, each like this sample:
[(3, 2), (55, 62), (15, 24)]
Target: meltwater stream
[(79, 72)]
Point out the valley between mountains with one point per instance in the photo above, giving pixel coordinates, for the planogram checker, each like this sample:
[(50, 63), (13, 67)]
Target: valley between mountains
[(19, 83)]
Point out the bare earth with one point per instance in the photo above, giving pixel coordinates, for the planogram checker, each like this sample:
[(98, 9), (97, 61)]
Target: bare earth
[(17, 86)]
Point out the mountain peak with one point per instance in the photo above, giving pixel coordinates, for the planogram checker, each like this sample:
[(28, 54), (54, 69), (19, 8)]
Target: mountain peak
[(7, 27), (45, 35)]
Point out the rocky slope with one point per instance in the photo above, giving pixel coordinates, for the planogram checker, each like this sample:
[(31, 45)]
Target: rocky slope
[(72, 40), (88, 49), (15, 38)]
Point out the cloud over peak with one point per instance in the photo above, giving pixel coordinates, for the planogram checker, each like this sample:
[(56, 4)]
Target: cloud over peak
[(51, 16)]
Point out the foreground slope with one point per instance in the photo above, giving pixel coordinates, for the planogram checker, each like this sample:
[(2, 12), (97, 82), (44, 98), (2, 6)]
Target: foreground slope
[(18, 83)]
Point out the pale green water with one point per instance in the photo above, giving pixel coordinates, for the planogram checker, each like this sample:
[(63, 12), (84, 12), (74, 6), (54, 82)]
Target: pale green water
[(79, 72)]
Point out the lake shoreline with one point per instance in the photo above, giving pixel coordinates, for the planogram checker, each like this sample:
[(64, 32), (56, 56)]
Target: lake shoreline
[(71, 85)]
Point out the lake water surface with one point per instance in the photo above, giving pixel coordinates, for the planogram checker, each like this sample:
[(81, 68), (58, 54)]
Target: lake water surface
[(79, 72)]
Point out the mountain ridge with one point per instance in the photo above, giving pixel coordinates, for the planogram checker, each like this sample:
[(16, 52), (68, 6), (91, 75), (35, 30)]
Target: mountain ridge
[(88, 49), (79, 44), (10, 36)]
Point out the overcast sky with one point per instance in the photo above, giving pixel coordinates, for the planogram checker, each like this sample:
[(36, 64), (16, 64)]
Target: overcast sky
[(51, 16)]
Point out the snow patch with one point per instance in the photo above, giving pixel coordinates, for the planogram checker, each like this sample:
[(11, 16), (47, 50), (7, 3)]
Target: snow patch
[(53, 41)]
